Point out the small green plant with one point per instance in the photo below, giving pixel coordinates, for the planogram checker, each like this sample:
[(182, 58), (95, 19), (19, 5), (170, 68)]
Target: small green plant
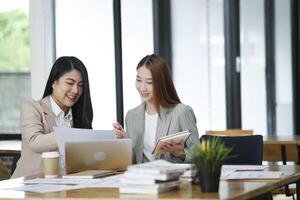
[(209, 155)]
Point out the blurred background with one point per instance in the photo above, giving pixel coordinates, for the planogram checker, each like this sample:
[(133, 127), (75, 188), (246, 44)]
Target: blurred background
[(235, 62)]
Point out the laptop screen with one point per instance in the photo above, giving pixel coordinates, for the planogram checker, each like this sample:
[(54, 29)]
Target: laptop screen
[(108, 154)]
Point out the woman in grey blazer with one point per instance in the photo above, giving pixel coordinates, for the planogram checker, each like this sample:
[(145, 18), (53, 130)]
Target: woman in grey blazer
[(66, 102), (161, 113)]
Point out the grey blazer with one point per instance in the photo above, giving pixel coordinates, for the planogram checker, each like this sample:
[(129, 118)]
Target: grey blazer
[(37, 121), (171, 120)]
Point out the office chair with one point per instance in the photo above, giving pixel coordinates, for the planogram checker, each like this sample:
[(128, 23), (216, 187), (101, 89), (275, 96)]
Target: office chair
[(4, 173), (246, 150), (9, 159)]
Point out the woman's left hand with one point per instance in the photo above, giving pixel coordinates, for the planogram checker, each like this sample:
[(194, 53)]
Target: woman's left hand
[(173, 147)]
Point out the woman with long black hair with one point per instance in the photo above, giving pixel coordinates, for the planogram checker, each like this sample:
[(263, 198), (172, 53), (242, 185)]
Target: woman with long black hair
[(66, 102)]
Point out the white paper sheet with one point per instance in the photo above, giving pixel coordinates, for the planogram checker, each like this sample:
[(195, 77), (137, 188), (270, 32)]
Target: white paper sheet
[(44, 188), (107, 182), (253, 175), (65, 134), (61, 181), (244, 167), (228, 169), (44, 185)]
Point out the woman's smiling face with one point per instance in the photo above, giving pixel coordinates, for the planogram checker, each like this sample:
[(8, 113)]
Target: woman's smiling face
[(67, 89), (144, 84)]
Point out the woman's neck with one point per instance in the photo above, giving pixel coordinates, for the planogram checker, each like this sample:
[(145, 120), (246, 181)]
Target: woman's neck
[(60, 105), (150, 108)]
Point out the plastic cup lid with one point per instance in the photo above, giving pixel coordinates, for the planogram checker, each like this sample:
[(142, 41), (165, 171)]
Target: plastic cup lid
[(51, 154)]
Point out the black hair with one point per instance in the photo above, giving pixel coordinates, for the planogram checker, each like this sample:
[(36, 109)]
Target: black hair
[(82, 110)]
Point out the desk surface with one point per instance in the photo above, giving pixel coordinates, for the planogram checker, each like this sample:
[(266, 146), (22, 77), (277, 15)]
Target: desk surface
[(10, 146), (237, 189), (282, 139)]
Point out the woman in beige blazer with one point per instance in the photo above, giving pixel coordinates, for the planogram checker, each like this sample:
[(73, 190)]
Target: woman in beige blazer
[(66, 102), (160, 114)]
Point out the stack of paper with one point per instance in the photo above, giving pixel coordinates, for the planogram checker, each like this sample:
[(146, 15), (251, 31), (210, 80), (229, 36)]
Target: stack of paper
[(254, 175), (248, 172), (152, 177)]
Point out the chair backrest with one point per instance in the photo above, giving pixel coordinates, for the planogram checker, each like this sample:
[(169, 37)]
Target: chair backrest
[(280, 152), (4, 174), (9, 159), (229, 132), (246, 150)]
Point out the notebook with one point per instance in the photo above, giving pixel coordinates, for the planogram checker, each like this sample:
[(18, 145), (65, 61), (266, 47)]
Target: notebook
[(107, 154), (90, 174), (177, 137)]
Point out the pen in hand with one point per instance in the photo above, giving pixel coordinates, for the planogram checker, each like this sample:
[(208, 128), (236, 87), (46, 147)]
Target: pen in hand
[(120, 133)]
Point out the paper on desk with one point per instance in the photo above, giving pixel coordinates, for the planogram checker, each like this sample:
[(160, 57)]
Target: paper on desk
[(60, 181), (44, 188), (44, 185), (253, 175), (228, 169), (107, 182), (244, 167), (65, 134)]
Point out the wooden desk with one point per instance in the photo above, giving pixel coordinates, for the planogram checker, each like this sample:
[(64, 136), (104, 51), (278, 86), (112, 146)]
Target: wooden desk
[(282, 139), (10, 146), (229, 190)]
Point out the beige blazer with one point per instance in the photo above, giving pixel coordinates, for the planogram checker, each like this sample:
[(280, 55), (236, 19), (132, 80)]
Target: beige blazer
[(171, 120), (37, 121)]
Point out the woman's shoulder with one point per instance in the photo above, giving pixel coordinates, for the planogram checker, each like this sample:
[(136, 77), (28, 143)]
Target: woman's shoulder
[(30, 102), (136, 111), (182, 108), (36, 104)]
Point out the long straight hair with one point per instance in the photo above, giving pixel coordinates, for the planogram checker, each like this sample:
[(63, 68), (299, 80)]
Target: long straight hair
[(82, 110), (165, 94)]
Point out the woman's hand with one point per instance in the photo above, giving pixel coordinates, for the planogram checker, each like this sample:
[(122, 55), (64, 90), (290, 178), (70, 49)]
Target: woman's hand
[(174, 147), (120, 133)]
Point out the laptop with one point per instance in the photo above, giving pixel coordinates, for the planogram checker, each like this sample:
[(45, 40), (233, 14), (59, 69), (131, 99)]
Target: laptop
[(108, 154)]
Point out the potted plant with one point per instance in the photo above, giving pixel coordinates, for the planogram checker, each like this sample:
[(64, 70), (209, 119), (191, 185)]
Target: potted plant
[(208, 157)]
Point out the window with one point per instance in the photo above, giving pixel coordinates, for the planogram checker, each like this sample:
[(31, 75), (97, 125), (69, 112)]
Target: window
[(198, 60), (14, 62), (137, 42), (86, 31)]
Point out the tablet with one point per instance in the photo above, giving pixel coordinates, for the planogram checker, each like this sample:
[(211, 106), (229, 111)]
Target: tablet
[(177, 137)]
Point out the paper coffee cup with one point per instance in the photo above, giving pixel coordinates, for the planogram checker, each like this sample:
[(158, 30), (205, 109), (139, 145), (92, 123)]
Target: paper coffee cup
[(51, 164)]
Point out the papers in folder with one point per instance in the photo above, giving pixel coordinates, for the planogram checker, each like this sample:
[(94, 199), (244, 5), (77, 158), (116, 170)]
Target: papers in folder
[(248, 172), (64, 135), (254, 175)]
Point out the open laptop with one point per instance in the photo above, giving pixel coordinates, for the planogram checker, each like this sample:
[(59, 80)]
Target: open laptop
[(108, 154)]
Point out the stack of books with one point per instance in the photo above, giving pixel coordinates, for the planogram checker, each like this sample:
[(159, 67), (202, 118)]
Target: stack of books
[(189, 175), (152, 177)]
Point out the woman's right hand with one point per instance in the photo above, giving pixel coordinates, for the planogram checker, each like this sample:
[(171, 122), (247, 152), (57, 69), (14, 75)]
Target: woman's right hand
[(120, 133)]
